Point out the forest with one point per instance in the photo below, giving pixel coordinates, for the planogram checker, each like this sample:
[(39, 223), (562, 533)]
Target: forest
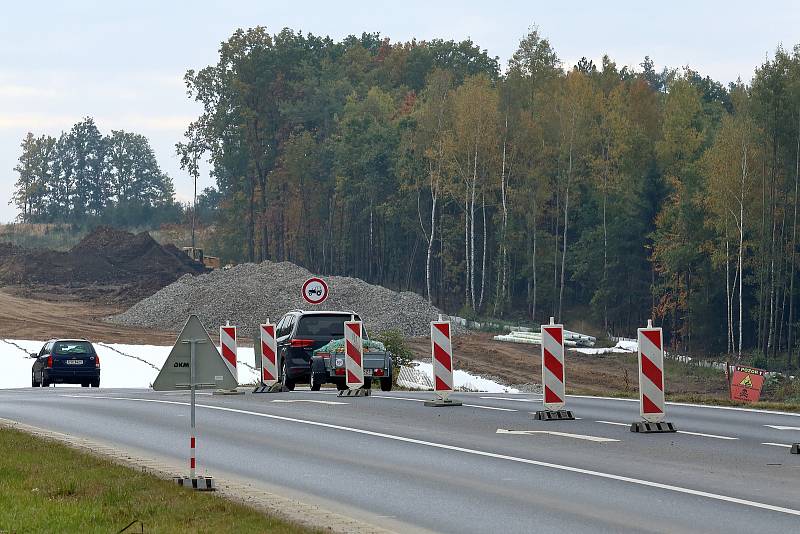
[(84, 178), (521, 191)]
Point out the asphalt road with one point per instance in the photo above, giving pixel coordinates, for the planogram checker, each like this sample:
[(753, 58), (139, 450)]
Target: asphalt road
[(396, 463)]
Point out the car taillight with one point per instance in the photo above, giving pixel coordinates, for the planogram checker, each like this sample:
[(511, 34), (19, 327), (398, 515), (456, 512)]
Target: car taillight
[(97, 361), (301, 343), (378, 372), (50, 361), (340, 371)]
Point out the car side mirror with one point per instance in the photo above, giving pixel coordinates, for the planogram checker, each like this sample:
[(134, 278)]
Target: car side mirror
[(34, 355)]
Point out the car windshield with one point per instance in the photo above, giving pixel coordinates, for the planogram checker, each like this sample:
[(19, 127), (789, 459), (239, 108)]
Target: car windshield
[(323, 325), (73, 347)]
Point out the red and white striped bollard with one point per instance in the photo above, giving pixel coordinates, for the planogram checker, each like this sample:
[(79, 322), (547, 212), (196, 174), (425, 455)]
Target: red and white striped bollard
[(442, 360), (651, 381), (553, 376)]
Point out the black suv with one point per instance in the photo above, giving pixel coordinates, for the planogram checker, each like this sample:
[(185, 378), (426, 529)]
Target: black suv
[(299, 333), (66, 361)]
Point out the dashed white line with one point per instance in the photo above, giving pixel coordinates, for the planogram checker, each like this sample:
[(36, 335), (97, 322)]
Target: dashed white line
[(679, 431), (513, 400), (613, 423), (597, 439), (778, 445), (485, 454), (781, 427)]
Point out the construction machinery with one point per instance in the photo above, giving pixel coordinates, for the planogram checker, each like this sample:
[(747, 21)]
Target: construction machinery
[(212, 262)]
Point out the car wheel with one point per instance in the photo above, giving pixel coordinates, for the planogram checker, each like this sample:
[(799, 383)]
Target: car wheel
[(95, 383), (317, 380), (287, 382), (84, 384), (367, 383), (34, 383), (341, 386), (45, 383), (386, 383)]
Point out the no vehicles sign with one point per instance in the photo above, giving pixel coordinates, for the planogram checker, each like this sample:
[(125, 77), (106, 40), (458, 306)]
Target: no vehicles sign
[(315, 291)]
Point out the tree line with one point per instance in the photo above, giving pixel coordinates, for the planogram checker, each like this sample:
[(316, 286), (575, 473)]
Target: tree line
[(84, 176)]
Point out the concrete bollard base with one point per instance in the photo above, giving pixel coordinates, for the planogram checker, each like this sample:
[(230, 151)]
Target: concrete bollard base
[(196, 483), (646, 427)]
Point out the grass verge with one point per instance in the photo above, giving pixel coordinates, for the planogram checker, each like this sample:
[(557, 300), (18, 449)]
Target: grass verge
[(48, 487)]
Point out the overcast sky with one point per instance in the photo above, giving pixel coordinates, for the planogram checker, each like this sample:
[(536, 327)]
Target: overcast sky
[(123, 62)]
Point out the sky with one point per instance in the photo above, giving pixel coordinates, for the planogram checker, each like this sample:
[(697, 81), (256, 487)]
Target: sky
[(123, 62)]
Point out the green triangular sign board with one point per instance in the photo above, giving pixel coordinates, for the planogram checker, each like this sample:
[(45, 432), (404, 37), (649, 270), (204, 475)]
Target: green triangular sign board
[(211, 372)]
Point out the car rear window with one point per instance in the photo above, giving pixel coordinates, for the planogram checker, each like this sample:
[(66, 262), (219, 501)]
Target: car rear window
[(73, 347), (326, 325)]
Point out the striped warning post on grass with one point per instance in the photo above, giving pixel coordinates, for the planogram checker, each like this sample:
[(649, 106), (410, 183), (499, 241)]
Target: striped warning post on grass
[(228, 349), (354, 355), (651, 374), (553, 366), (269, 351), (442, 352)]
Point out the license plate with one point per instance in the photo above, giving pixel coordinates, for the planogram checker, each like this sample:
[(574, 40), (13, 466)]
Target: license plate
[(367, 372), (74, 362)]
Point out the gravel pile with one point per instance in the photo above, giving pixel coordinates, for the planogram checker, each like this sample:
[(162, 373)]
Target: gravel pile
[(248, 294)]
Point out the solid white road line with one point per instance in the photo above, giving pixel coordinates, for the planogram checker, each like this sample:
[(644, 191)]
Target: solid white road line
[(733, 408), (514, 400), (597, 439), (780, 427), (679, 431), (778, 445), (307, 400), (485, 454)]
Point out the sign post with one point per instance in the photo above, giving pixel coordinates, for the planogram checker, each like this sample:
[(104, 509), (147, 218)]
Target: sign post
[(442, 360), (651, 381), (554, 389), (194, 363)]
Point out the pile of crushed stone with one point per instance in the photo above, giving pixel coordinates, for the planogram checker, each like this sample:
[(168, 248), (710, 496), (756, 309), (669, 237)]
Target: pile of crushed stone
[(249, 294)]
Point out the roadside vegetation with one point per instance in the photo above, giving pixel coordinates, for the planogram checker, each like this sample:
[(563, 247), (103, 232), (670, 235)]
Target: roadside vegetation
[(48, 487)]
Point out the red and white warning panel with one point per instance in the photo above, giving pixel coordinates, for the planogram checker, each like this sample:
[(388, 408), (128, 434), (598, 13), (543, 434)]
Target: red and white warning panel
[(553, 374), (227, 341), (651, 381), (553, 366), (269, 351), (354, 355), (442, 358)]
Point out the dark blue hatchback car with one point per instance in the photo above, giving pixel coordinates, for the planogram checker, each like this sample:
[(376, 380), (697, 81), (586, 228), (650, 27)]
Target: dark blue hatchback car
[(66, 361)]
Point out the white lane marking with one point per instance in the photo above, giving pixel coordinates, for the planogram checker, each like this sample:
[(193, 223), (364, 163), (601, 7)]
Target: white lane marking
[(780, 427), (307, 400), (552, 433), (778, 445), (613, 423), (514, 400), (468, 405), (734, 408), (679, 431), (705, 435), (485, 454)]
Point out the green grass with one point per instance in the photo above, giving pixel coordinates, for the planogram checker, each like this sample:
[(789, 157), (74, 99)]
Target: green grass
[(48, 487)]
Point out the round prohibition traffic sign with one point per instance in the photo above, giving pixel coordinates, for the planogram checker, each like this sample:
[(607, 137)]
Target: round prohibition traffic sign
[(315, 290)]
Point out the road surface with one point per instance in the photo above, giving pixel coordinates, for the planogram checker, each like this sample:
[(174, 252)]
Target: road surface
[(484, 467)]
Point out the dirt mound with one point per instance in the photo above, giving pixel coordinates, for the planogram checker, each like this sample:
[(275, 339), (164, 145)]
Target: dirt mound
[(107, 262)]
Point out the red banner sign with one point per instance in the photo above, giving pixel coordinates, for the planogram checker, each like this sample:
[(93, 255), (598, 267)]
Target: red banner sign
[(746, 383)]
